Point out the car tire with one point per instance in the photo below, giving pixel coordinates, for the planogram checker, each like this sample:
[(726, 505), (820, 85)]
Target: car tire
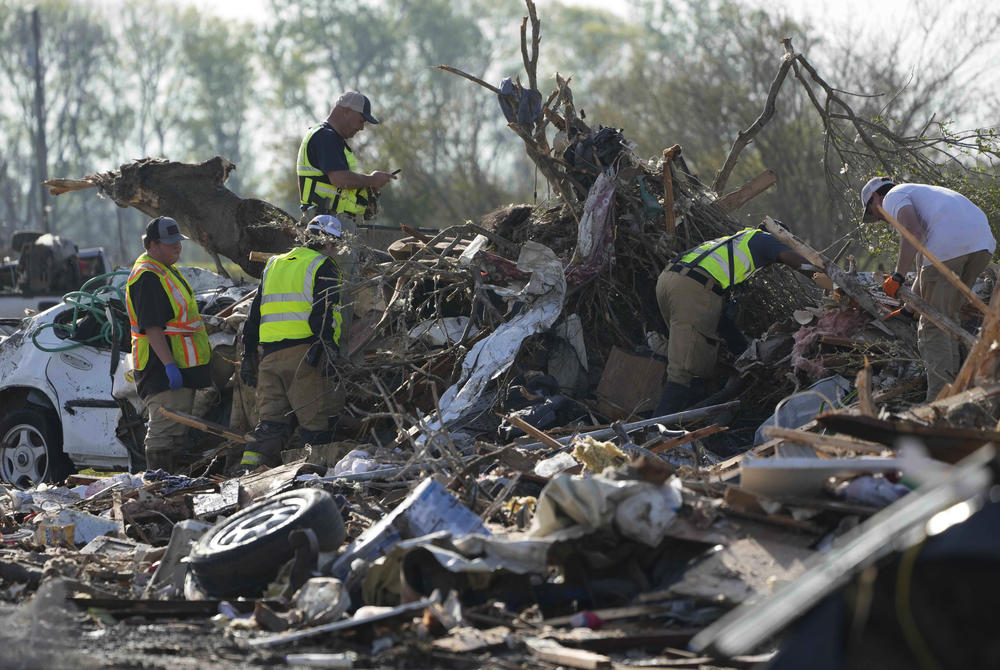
[(242, 555), (30, 449)]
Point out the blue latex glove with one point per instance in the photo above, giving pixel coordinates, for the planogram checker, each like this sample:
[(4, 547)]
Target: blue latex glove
[(174, 376)]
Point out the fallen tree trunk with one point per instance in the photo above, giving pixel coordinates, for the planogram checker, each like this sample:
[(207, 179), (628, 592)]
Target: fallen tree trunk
[(845, 280), (196, 196)]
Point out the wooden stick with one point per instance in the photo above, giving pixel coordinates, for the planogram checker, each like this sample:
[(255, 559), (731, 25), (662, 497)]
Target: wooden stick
[(261, 256), (936, 317), (942, 268), (204, 426), (744, 137), (539, 435), (863, 382), (832, 444), (987, 336), (668, 187), (690, 437), (849, 283), (747, 192), (719, 470)]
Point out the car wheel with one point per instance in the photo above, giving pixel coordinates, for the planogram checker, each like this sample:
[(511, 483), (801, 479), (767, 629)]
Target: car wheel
[(242, 555), (30, 451)]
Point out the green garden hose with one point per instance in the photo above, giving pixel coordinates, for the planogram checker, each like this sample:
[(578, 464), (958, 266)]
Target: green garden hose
[(87, 301)]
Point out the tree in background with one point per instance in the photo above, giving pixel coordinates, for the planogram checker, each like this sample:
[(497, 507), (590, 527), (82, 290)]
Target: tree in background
[(457, 162)]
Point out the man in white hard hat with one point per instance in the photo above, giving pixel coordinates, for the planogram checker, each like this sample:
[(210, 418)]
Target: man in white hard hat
[(958, 233), (295, 319)]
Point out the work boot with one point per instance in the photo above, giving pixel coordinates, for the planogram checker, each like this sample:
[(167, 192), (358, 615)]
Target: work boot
[(268, 439), (160, 459), (674, 398), (315, 437)]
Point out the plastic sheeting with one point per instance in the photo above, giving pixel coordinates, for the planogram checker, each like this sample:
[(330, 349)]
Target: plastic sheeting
[(542, 299)]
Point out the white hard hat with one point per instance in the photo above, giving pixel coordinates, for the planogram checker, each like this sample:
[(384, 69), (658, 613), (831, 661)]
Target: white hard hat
[(327, 224)]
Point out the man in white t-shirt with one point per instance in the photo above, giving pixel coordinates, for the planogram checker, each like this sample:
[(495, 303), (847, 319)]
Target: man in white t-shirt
[(957, 232)]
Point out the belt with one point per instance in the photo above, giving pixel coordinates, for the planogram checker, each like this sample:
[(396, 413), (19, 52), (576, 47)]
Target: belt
[(697, 274)]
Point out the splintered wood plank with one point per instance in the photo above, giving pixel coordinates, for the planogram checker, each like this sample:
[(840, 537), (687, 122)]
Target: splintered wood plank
[(750, 190)]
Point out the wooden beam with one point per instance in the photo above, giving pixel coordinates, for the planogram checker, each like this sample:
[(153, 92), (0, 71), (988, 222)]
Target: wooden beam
[(942, 268), (863, 382), (668, 188), (689, 437), (847, 282), (750, 190), (830, 444), (935, 316), (204, 426), (539, 435), (988, 334), (551, 651), (720, 471)]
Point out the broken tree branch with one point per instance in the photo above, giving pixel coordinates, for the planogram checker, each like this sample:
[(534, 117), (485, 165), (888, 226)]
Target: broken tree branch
[(846, 281), (744, 137)]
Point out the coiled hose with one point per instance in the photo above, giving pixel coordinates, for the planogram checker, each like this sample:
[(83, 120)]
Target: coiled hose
[(88, 301)]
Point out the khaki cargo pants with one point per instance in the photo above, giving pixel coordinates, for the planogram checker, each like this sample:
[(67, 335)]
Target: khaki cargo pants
[(286, 385), (164, 437), (692, 311), (938, 349)]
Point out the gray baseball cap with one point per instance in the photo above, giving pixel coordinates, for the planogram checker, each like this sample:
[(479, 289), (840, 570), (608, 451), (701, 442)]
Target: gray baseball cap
[(164, 229), (359, 103)]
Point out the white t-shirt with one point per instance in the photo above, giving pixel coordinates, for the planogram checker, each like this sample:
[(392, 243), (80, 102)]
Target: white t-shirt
[(953, 226)]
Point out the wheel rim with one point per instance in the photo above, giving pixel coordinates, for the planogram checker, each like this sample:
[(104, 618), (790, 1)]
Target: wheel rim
[(24, 457), (258, 522)]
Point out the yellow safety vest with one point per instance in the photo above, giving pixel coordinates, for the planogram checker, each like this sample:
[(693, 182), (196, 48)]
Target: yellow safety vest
[(727, 259), (287, 296), (185, 332), (315, 186)]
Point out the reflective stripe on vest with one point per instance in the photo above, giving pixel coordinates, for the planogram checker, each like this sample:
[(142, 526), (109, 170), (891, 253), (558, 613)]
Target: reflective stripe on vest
[(185, 332), (315, 186), (717, 259), (287, 296)]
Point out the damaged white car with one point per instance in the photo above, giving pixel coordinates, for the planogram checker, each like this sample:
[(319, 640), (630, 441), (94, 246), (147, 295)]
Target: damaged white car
[(66, 396)]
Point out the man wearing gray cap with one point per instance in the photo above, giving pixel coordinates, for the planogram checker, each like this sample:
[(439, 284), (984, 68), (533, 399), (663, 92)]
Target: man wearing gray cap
[(170, 348), (296, 321), (329, 181), (958, 234)]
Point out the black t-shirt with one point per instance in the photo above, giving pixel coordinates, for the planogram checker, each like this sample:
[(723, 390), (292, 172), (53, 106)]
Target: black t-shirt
[(326, 150), (153, 308), (326, 294)]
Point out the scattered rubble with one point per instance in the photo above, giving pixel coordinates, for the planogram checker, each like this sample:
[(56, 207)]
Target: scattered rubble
[(495, 495)]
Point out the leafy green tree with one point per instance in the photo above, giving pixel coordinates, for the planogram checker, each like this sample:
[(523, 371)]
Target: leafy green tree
[(447, 136)]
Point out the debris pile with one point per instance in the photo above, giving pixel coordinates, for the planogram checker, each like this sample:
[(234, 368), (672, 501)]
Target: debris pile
[(496, 493)]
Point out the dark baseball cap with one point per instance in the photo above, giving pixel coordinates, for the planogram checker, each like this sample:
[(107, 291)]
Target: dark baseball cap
[(164, 229)]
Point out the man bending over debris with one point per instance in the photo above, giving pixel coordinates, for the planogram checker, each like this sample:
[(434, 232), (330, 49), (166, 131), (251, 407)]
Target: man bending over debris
[(329, 182), (955, 231), (295, 317), (170, 349), (692, 292)]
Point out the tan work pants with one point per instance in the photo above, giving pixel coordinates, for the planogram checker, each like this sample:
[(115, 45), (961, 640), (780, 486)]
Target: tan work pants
[(163, 435), (692, 313), (286, 385), (938, 349)]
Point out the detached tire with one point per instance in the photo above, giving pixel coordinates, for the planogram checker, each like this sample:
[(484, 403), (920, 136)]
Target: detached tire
[(242, 555), (30, 449)]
